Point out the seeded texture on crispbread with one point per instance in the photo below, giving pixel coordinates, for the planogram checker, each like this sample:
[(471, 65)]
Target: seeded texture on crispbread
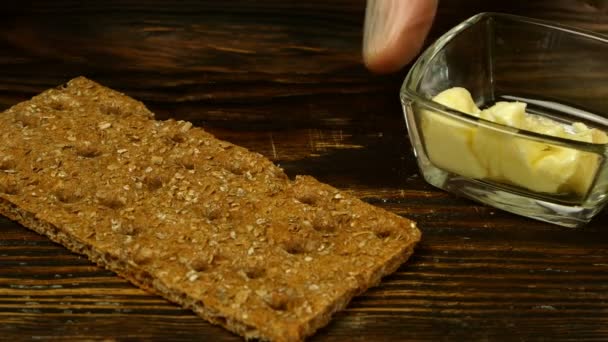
[(204, 223)]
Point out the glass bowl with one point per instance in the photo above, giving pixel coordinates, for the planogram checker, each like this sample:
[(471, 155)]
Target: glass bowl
[(560, 75)]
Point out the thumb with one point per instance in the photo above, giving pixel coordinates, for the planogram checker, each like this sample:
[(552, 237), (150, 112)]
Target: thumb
[(395, 31)]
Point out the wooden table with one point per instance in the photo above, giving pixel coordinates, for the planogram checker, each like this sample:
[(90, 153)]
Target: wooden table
[(285, 78)]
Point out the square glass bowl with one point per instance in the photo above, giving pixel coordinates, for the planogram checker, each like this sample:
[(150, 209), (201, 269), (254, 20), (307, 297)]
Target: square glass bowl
[(559, 72)]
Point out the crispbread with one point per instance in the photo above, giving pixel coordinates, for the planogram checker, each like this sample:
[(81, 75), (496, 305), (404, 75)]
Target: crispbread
[(205, 223)]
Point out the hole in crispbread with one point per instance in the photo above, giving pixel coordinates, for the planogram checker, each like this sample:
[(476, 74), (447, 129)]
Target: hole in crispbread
[(27, 119), (59, 105), (294, 247), (187, 162), (384, 228), (143, 255), (307, 196), (221, 320), (233, 160), (212, 210), (112, 200), (110, 109), (178, 138), (201, 265), (277, 301), (9, 186), (68, 195), (235, 167), (146, 277), (383, 233), (88, 151), (113, 203), (324, 222), (7, 163), (254, 272), (153, 182), (130, 227), (279, 306)]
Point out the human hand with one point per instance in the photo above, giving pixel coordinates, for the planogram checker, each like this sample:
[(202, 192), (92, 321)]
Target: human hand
[(395, 31)]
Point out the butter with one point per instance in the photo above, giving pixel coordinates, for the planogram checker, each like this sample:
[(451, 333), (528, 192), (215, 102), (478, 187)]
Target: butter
[(448, 142), (479, 152)]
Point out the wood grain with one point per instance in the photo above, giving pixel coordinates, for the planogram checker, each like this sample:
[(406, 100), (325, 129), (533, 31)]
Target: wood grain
[(285, 78)]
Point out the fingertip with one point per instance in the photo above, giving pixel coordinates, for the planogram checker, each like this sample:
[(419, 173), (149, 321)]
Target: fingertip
[(389, 60), (395, 31)]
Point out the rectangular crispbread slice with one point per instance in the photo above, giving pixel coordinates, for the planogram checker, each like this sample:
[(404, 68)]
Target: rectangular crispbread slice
[(204, 223)]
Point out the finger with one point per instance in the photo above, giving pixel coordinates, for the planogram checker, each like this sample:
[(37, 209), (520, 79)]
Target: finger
[(395, 31)]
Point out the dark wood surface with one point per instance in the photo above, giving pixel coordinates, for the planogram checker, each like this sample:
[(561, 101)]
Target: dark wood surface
[(285, 78)]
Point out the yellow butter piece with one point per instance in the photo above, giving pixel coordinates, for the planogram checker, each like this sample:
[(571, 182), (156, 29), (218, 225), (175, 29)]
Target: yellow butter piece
[(480, 152), (448, 141), (517, 161), (448, 145), (458, 98), (511, 114)]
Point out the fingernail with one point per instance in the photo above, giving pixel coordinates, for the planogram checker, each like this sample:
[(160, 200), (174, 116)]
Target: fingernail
[(394, 32), (380, 24)]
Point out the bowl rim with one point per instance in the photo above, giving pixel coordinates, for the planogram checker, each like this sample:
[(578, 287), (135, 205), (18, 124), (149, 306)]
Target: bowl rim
[(408, 93)]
